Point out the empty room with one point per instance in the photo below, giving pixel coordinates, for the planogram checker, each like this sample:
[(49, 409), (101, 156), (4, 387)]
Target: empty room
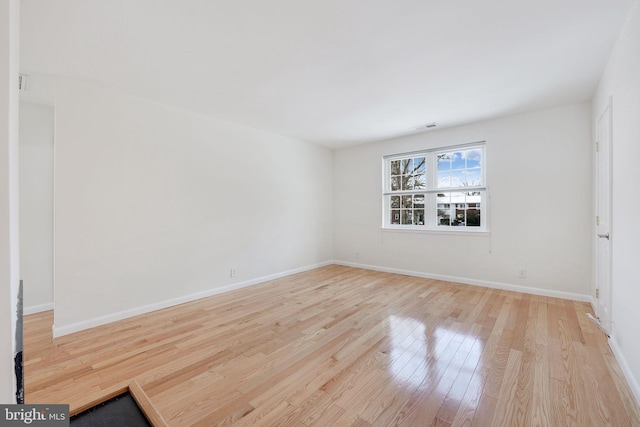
[(363, 213)]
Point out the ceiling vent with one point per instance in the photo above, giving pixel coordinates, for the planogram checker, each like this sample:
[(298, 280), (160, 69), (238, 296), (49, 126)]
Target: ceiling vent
[(426, 126)]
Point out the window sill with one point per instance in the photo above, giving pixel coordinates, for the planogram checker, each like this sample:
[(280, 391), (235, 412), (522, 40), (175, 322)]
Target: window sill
[(447, 232)]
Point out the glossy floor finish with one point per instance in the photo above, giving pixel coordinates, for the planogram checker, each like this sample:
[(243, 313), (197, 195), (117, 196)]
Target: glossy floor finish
[(340, 346)]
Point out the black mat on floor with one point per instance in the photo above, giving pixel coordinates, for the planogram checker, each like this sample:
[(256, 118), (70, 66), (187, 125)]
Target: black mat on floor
[(121, 411)]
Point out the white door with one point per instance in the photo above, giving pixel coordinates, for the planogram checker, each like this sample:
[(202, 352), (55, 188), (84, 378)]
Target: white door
[(603, 218)]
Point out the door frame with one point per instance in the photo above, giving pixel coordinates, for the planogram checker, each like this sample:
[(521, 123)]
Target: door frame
[(606, 150)]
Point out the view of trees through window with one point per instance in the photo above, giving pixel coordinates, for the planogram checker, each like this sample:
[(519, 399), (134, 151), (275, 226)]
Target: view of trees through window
[(408, 175), (435, 189)]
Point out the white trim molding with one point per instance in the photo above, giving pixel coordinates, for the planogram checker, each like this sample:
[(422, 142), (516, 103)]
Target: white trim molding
[(622, 361), (33, 309), (475, 282), (626, 370), (114, 317)]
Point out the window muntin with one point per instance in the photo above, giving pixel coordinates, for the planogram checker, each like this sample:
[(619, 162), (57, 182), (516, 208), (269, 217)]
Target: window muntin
[(459, 209), (408, 174), (407, 209), (460, 168), (436, 189)]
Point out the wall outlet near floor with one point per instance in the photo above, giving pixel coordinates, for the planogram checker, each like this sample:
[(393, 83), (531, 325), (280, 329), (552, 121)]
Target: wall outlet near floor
[(232, 272), (522, 274), (357, 255)]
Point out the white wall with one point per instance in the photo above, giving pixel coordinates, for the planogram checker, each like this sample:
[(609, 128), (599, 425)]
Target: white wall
[(153, 204), (539, 178), (621, 80), (36, 205), (9, 246)]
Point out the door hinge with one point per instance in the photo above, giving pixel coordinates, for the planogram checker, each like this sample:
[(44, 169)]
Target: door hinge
[(597, 147), (597, 293), (22, 82), (598, 220)]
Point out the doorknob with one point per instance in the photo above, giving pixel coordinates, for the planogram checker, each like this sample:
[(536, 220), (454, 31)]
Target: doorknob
[(604, 236)]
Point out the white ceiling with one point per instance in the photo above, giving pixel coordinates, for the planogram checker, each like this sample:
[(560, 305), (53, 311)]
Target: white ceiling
[(332, 72)]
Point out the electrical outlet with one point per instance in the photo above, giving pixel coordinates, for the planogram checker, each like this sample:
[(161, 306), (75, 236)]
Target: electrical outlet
[(522, 274), (232, 272), (357, 255)]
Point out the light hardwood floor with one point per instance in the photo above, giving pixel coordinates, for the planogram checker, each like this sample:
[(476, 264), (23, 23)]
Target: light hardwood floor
[(345, 346)]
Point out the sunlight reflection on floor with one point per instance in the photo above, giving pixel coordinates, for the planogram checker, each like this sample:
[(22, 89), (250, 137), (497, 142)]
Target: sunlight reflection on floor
[(417, 357)]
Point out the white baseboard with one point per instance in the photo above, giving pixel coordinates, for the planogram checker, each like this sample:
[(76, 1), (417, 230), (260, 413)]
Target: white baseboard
[(626, 370), (33, 309), (632, 381), (467, 281), (113, 317)]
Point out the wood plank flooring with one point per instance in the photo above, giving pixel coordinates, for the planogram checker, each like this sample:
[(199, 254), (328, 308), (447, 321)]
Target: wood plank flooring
[(340, 346)]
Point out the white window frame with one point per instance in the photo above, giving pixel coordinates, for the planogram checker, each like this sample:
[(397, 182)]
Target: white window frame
[(431, 191)]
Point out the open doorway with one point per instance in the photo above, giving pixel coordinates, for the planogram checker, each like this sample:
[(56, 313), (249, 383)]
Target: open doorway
[(36, 154)]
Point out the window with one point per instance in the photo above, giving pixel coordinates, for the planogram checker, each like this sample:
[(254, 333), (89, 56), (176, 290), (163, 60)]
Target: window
[(436, 189)]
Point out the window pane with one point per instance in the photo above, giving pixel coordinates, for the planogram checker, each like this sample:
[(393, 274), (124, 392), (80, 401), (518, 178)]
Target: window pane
[(406, 166), (395, 216), (407, 174), (459, 209), (443, 197), (474, 158), (474, 199), (444, 161), (458, 198), (460, 169), (406, 201), (459, 217), (418, 201), (473, 177), (395, 167), (407, 217), (395, 202), (418, 216), (407, 182), (459, 179), (444, 179), (473, 217), (457, 160), (395, 183), (444, 214)]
